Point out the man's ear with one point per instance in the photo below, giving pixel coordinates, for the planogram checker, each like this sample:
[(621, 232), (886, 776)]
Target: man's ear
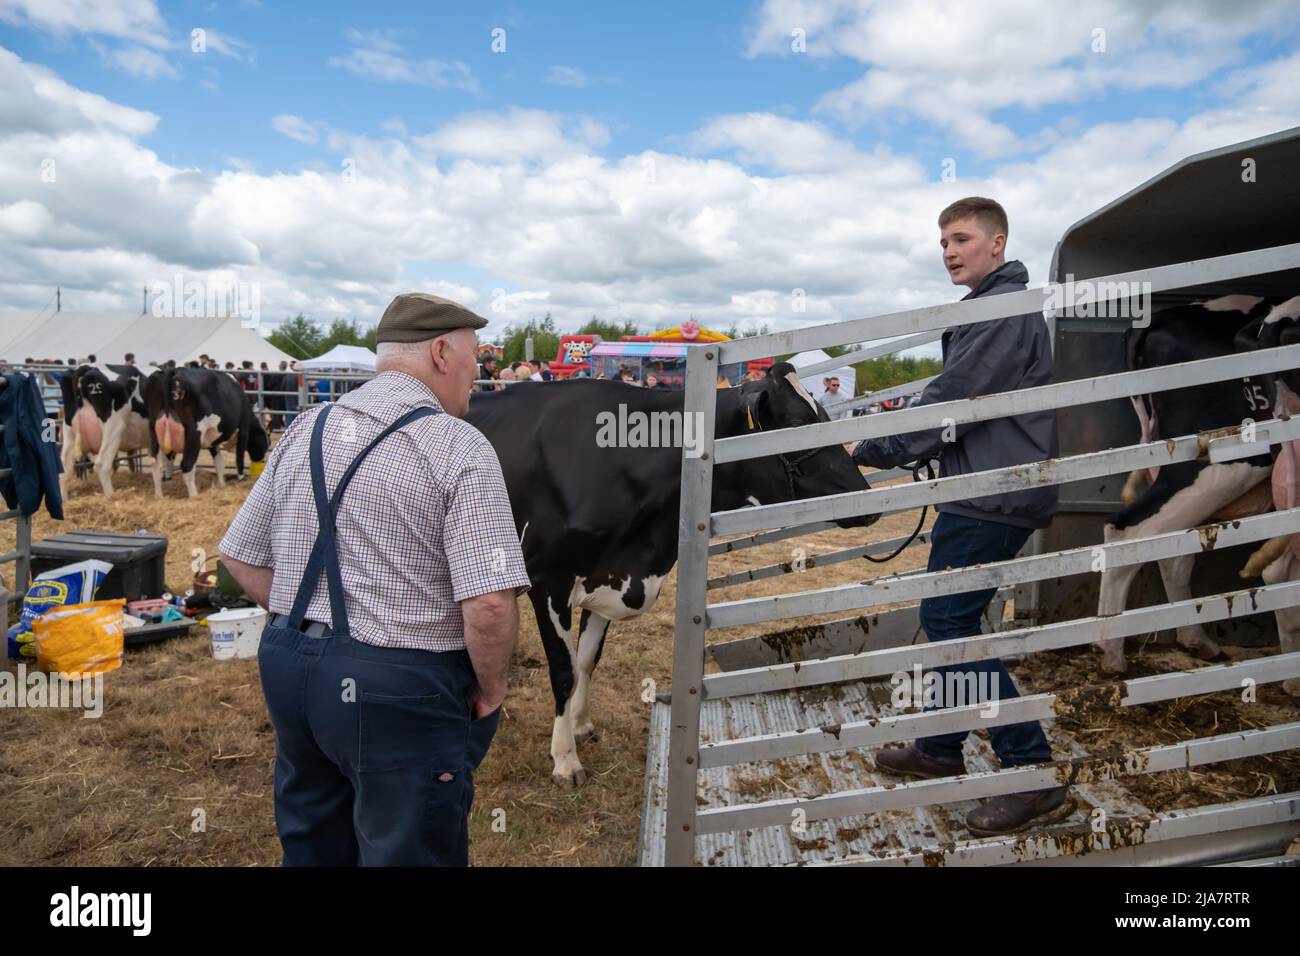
[(440, 352)]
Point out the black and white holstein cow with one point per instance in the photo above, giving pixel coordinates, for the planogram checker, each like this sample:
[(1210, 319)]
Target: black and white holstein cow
[(195, 408), (1186, 494), (1279, 559), (598, 524), (103, 413)]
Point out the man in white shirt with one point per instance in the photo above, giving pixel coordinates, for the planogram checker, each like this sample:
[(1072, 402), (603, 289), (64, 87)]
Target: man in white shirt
[(833, 400)]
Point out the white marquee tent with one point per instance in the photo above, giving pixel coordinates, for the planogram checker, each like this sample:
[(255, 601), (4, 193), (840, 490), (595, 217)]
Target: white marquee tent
[(109, 336), (343, 358)]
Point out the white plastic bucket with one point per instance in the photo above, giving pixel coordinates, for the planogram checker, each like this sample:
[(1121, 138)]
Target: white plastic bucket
[(236, 633)]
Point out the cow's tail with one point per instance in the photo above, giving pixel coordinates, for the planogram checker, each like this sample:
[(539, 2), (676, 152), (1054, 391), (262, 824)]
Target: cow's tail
[(1269, 552), (167, 428)]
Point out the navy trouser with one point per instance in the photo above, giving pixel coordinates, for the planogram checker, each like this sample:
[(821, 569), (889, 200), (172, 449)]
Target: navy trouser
[(375, 748), (375, 751), (958, 542)]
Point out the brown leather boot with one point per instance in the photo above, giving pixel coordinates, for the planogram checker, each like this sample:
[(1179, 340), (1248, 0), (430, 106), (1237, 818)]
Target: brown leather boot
[(1013, 812), (910, 762)]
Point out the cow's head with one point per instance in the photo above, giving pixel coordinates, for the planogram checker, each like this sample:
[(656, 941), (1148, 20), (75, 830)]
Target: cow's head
[(777, 401), (97, 390), (1278, 327), (1282, 327), (258, 442)]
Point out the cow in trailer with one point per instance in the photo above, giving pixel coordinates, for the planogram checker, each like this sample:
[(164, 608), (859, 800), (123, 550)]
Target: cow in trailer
[(1186, 494), (1278, 560), (103, 413), (195, 408), (598, 519)]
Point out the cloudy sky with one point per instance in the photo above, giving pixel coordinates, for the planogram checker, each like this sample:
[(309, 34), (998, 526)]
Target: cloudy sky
[(632, 161)]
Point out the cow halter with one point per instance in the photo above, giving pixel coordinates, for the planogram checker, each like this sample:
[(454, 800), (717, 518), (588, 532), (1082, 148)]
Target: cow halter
[(791, 465)]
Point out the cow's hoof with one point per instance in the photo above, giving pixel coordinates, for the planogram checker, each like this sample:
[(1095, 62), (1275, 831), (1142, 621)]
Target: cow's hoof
[(586, 733), (570, 782), (1206, 652), (1114, 665)]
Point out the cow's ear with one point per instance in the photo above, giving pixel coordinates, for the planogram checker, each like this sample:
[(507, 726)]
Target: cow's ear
[(756, 407), (1248, 336)]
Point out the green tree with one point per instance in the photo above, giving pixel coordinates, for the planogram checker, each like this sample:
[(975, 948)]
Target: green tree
[(608, 329), (546, 339), (341, 332), (748, 331), (299, 336), (888, 370)]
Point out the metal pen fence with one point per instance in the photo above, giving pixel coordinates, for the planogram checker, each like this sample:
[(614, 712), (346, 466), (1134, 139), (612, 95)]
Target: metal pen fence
[(277, 406), (673, 838)]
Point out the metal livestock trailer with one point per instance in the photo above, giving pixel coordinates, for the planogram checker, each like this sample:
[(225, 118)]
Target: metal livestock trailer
[(793, 716), (1198, 209)]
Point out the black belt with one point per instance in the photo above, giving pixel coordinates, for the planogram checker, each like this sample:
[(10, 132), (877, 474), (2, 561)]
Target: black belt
[(310, 628)]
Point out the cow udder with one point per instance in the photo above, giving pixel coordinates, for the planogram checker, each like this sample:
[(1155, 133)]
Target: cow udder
[(171, 434), (88, 430)]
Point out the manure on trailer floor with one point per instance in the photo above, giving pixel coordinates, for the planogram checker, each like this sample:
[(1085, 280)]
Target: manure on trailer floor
[(181, 732)]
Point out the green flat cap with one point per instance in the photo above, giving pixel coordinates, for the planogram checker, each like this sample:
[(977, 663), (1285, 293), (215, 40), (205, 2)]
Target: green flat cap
[(416, 316)]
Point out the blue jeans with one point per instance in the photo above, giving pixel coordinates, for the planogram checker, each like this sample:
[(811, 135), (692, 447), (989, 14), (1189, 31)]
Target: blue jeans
[(958, 542)]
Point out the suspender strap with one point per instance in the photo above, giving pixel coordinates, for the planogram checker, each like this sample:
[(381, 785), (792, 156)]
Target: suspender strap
[(324, 552)]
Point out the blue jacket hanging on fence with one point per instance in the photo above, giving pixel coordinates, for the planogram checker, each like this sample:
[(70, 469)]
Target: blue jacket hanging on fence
[(34, 461)]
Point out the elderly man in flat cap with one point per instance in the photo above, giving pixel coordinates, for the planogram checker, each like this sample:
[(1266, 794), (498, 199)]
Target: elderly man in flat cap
[(380, 538)]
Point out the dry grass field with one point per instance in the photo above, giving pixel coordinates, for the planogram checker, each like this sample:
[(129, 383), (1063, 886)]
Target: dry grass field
[(182, 732)]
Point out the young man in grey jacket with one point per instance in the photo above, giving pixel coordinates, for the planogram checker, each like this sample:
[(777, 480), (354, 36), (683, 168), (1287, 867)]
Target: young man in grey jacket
[(981, 359)]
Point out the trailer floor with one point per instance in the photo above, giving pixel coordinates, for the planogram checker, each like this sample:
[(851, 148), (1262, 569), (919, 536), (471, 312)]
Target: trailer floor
[(925, 836)]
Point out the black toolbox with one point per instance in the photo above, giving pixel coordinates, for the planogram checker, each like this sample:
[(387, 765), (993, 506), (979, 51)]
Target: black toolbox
[(137, 559)]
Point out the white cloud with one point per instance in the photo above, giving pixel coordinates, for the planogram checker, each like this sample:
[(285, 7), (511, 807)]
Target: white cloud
[(514, 135), (376, 56), (36, 100), (784, 144), (136, 60), (957, 65), (528, 200), (567, 76), (295, 127), (227, 45), (135, 20)]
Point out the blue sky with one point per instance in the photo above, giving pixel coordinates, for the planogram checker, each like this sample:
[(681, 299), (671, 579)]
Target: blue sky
[(652, 71), (643, 161)]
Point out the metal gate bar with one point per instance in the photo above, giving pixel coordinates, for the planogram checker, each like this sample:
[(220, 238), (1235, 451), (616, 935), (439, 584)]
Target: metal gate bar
[(1190, 753), (1046, 706), (914, 586), (1047, 637)]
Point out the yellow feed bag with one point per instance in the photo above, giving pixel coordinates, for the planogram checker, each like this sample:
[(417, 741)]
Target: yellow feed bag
[(80, 638)]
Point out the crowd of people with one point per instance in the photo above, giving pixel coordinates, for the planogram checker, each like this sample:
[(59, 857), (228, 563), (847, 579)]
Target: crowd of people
[(492, 376)]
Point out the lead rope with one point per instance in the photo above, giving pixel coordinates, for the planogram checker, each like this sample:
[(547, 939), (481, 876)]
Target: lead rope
[(916, 476)]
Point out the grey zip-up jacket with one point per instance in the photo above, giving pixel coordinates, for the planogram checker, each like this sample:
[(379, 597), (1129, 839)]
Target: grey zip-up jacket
[(1002, 355)]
